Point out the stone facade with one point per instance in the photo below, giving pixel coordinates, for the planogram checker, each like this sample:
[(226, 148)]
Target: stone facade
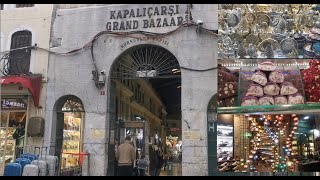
[(72, 74), (37, 21)]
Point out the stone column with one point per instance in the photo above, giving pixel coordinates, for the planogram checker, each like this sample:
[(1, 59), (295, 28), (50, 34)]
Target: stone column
[(197, 90), (94, 142)]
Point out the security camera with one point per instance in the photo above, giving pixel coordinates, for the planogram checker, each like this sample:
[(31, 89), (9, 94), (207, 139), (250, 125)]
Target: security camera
[(103, 72), (199, 22)]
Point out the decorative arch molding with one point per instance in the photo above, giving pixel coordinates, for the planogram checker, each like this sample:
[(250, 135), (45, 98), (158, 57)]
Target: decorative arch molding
[(72, 100), (145, 61), (113, 51)]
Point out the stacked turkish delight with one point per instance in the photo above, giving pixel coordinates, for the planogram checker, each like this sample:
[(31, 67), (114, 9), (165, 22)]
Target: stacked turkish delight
[(227, 88), (268, 87), (311, 78)]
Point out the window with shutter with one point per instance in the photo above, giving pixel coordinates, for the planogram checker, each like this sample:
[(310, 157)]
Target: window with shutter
[(19, 58)]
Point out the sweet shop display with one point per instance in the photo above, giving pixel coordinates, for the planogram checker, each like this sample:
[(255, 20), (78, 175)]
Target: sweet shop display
[(276, 77), (260, 78), (280, 100), (311, 79), (268, 79), (271, 89), (227, 87), (254, 90), (249, 101), (266, 100)]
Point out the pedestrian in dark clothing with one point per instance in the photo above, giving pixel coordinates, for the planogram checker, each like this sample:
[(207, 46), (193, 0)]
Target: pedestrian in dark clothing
[(153, 161), (160, 162)]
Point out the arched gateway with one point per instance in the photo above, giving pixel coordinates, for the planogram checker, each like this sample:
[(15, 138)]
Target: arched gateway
[(139, 78)]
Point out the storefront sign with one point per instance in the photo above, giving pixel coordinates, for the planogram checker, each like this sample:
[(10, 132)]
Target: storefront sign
[(192, 134), (13, 104), (144, 18), (132, 41)]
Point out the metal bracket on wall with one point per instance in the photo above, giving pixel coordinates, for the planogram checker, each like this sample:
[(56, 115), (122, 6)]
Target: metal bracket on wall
[(99, 78)]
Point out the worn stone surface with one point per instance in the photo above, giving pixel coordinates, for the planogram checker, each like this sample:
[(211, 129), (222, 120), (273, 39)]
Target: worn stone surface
[(71, 75), (194, 169)]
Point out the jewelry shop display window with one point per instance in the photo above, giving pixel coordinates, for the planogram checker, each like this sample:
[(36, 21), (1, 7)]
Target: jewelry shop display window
[(72, 134), (12, 128)]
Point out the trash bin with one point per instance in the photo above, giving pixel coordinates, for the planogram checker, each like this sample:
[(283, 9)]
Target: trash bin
[(169, 168)]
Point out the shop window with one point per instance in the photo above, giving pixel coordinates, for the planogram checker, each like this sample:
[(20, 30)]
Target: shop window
[(12, 130), (24, 5), (70, 120), (19, 59)]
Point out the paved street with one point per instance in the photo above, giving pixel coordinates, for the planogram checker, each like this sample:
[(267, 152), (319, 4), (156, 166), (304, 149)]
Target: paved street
[(176, 170)]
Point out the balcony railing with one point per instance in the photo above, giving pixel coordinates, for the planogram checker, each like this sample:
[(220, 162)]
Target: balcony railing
[(16, 62)]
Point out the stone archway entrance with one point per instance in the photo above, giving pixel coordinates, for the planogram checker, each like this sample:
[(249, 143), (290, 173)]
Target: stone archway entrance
[(145, 89)]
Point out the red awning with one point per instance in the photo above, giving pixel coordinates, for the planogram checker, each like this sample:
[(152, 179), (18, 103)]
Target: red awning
[(33, 83)]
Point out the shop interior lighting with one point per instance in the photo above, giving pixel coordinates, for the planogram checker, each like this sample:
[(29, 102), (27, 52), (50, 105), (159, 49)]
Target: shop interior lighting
[(307, 117)]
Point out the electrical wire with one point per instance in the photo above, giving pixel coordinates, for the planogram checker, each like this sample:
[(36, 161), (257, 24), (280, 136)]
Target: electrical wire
[(131, 34), (199, 70), (126, 34), (45, 17)]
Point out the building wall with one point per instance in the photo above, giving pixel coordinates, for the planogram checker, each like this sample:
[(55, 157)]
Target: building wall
[(71, 74), (36, 19)]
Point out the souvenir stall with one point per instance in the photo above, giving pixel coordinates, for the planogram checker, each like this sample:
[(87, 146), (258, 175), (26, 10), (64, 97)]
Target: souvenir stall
[(265, 136), (268, 82), (12, 129)]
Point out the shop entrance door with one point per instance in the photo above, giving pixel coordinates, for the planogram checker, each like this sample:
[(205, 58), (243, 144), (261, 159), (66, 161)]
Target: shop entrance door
[(158, 69), (69, 130)]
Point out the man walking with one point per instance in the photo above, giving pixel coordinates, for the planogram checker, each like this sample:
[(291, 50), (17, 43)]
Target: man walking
[(126, 156)]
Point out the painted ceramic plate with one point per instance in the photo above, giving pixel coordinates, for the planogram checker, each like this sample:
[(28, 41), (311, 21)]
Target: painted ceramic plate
[(262, 46), (252, 39), (287, 45)]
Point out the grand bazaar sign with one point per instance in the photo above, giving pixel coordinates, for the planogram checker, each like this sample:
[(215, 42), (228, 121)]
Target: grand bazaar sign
[(145, 18)]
